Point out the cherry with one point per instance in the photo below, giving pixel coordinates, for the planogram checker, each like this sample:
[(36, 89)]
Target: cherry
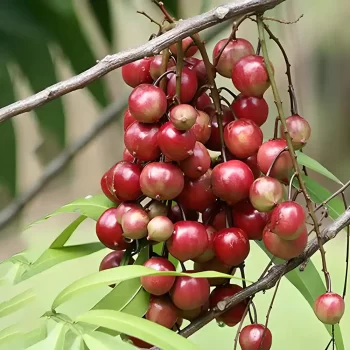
[(128, 119), (123, 181), (106, 190), (113, 259), (231, 181), (156, 208), (176, 144), (215, 215), (141, 140), (234, 315), (251, 221), (134, 224), (189, 85), (147, 103), (127, 156), (198, 67), (189, 240), (158, 285), (233, 52), (189, 293), (175, 214), (249, 76), (252, 162), (299, 130), (198, 163), (124, 208), (188, 48), (253, 108), (140, 343), (161, 181), (136, 73), (202, 127), (209, 253), (197, 194), (329, 308), (183, 116), (255, 337), (231, 246), (287, 220), (191, 315), (160, 229), (243, 138), (109, 231), (155, 69), (161, 310), (265, 193), (282, 248), (267, 153), (203, 101)]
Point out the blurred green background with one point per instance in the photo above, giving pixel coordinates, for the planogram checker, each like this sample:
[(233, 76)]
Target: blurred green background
[(44, 41)]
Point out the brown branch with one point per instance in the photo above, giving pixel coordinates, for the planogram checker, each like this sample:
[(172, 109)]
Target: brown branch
[(183, 29)]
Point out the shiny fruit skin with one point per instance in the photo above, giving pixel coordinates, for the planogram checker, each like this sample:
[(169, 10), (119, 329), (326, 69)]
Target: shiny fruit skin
[(209, 253), (202, 127), (128, 119), (198, 67), (189, 85), (156, 208), (203, 101), (107, 191), (136, 73), (183, 116), (255, 337), (124, 208), (252, 162), (329, 308), (162, 311), (134, 224), (299, 131), (113, 259), (175, 214), (160, 229), (188, 48)]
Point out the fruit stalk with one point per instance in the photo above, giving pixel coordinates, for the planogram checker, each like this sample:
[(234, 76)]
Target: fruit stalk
[(241, 324), (293, 155), (165, 60), (179, 66)]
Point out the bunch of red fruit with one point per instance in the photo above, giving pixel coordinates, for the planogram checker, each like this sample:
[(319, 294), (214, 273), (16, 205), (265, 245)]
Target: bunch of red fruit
[(220, 205)]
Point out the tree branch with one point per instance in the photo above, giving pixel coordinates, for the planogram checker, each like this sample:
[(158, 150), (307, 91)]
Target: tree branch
[(183, 29)]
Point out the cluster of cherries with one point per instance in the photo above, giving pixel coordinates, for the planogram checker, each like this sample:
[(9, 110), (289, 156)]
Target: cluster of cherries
[(169, 189)]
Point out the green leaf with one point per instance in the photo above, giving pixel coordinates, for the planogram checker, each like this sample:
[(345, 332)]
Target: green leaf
[(62, 239), (173, 8), (103, 16), (55, 339), (102, 341), (314, 165), (17, 302), (138, 327), (123, 273)]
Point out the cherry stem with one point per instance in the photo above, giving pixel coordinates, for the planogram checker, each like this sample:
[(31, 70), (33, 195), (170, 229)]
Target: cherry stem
[(290, 186), (179, 66), (347, 251), (293, 155), (199, 92), (228, 105), (258, 48), (281, 21), (163, 9), (275, 132), (229, 218), (244, 285), (163, 75), (234, 96), (274, 161), (241, 324), (163, 68), (183, 215), (151, 19), (182, 266)]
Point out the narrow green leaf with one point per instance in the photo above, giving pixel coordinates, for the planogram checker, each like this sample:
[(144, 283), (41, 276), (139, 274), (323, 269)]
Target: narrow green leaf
[(78, 344), (314, 165), (102, 13), (55, 339), (8, 334), (138, 327), (62, 239), (102, 341), (123, 273), (17, 302)]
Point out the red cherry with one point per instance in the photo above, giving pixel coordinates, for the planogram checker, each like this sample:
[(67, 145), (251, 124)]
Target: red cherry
[(252, 162), (176, 144), (203, 101), (202, 127), (253, 108), (329, 308), (189, 240), (282, 248), (136, 73), (175, 214), (155, 69), (161, 181), (109, 231), (140, 343), (113, 259), (127, 156), (189, 85), (187, 47), (267, 153), (189, 293), (141, 140), (160, 229), (234, 315), (147, 103), (162, 311), (247, 218), (243, 138), (255, 337), (191, 315), (233, 52), (215, 215), (183, 116), (124, 208), (299, 130), (134, 224), (287, 220), (209, 253), (231, 246), (158, 285), (155, 208), (106, 190), (128, 119), (231, 181), (198, 67)]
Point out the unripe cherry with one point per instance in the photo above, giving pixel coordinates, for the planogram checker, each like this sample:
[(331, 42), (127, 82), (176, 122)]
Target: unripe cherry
[(160, 229), (202, 127), (282, 248), (158, 285), (253, 108), (209, 253), (175, 214), (189, 85), (299, 130), (265, 193), (128, 119), (189, 293), (136, 73), (243, 138), (188, 241), (183, 116), (329, 308), (267, 153), (161, 310), (134, 224), (255, 337), (113, 259), (252, 162), (287, 220), (233, 52), (124, 208), (249, 76), (175, 144), (156, 208), (231, 181), (109, 231), (234, 315), (203, 101), (187, 47), (161, 181), (141, 140), (231, 246)]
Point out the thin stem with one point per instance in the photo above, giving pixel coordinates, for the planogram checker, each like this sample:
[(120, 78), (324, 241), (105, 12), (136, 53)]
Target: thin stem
[(258, 48), (281, 21), (163, 69), (244, 285), (164, 250), (347, 251), (296, 194), (183, 215), (293, 155), (234, 96), (229, 217), (290, 186), (163, 9), (182, 266), (179, 66), (275, 130), (274, 161), (151, 19), (329, 344), (159, 79), (241, 324), (228, 105)]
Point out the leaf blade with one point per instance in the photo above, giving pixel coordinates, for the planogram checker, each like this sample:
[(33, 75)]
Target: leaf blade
[(17, 302), (102, 341), (102, 13)]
